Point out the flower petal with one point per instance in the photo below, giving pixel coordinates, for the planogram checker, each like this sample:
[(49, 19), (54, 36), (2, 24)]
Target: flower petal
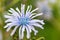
[(10, 26), (35, 31), (9, 20), (22, 9), (14, 12), (28, 13), (28, 33), (38, 25), (7, 16), (17, 9), (23, 28), (29, 27), (34, 10), (32, 14), (37, 15), (35, 20), (20, 33), (14, 31), (30, 7)]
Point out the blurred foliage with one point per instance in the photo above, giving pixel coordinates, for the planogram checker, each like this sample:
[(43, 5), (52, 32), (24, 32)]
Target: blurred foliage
[(52, 26)]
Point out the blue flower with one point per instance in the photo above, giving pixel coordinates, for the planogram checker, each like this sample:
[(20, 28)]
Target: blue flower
[(20, 19), (45, 9)]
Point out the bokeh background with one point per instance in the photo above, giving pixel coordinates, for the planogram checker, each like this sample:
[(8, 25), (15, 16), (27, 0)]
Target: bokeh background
[(51, 17)]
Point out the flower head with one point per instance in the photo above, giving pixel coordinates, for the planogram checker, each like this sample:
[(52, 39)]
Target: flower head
[(20, 19), (45, 9)]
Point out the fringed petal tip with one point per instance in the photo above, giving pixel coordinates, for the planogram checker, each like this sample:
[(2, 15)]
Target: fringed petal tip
[(35, 32)]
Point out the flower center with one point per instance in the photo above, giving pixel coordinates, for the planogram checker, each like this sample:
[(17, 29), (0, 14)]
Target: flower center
[(24, 20)]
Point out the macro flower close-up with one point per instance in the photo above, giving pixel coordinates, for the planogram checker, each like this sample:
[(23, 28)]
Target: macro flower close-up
[(29, 19), (21, 21)]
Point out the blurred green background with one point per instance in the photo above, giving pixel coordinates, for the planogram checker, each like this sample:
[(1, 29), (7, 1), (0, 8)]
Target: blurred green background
[(52, 25)]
